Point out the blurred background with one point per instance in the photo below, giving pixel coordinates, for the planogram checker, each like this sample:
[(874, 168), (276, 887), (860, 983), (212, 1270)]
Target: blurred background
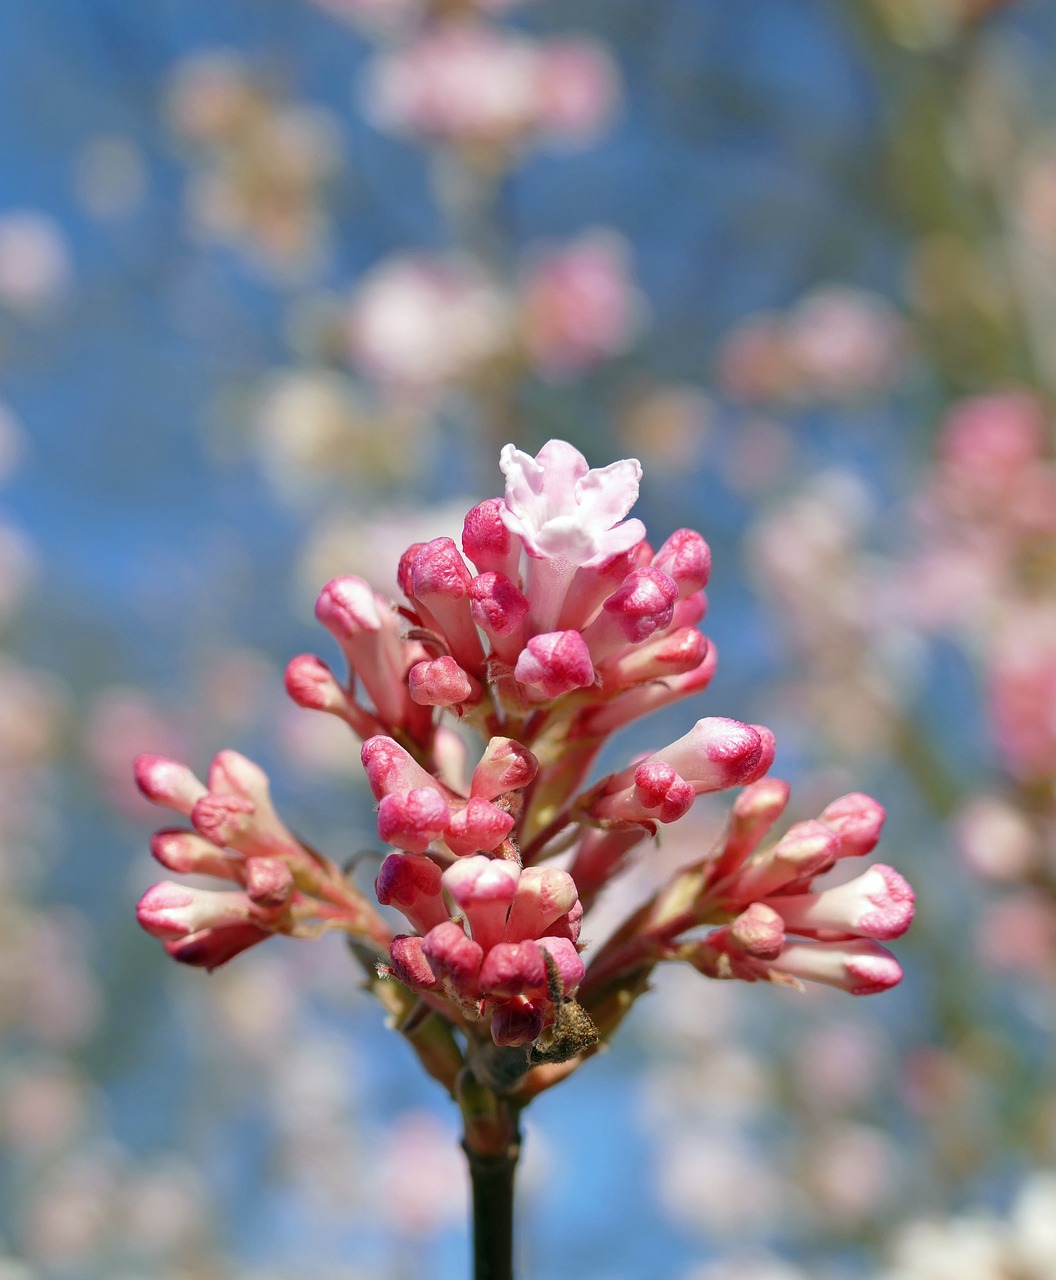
[(278, 278)]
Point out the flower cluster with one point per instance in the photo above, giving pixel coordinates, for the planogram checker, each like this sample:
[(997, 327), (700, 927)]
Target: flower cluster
[(554, 625)]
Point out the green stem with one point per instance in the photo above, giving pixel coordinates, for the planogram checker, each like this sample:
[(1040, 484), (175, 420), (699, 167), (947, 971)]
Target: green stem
[(492, 1178)]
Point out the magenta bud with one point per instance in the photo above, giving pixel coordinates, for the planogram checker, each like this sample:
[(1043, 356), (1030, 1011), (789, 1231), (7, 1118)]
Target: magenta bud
[(409, 963), (411, 883), (483, 889), (759, 931), (687, 558), (570, 967), (768, 749), (877, 904), (224, 819), (518, 1022), (543, 895), (487, 542), (347, 607), (716, 753), (861, 967), (643, 604), (555, 663), (441, 682), (857, 819), (210, 948), (188, 853), (480, 826), (513, 969), (670, 797), (569, 925), (411, 820), (311, 683), (690, 610), (497, 606), (506, 765), (168, 782), (439, 570), (171, 910), (269, 882), (390, 768), (454, 957), (673, 653)]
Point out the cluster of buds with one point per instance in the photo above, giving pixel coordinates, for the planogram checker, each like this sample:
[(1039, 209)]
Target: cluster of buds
[(553, 626), (283, 886)]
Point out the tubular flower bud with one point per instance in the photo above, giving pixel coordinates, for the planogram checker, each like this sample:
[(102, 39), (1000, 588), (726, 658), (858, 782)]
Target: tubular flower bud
[(758, 931), (642, 606), (391, 768), (171, 910), (487, 541), (807, 849), (513, 969), (311, 684), (570, 967), (857, 819), (543, 895), (168, 782), (441, 682), (454, 958), (501, 611), (656, 793), (480, 826), (411, 883), (440, 583), (768, 749), (506, 765), (754, 812), (860, 967), (236, 821), (590, 588), (673, 653), (483, 889), (690, 610), (555, 664), (878, 904), (687, 558), (188, 853), (365, 627), (412, 820), (269, 882), (631, 706), (407, 953)]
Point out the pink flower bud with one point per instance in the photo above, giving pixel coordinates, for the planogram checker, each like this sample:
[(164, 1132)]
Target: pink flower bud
[(555, 663), (191, 854), (513, 969), (687, 558), (210, 948), (673, 653), (224, 819), (483, 889), (590, 588), (411, 883), (500, 610), (488, 543), (236, 775), (441, 682), (570, 967), (754, 812), (168, 782), (543, 895), (480, 826), (440, 582), (715, 754), (517, 1022), (861, 967), (649, 697), (390, 768), (506, 765), (643, 606), (311, 684), (269, 882), (807, 849), (690, 610), (454, 958), (857, 819), (412, 820), (171, 910), (405, 570), (409, 964), (655, 794), (758, 931), (877, 904), (365, 627)]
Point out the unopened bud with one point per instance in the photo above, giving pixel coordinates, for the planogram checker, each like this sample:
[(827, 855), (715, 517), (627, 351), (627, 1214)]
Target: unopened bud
[(488, 543), (441, 682), (506, 765), (168, 782), (412, 820), (555, 663), (687, 558), (480, 826), (411, 883)]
